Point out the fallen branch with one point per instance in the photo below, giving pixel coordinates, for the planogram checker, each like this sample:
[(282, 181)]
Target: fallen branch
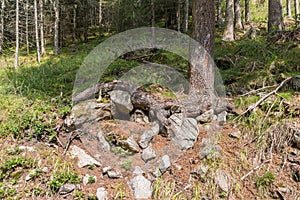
[(267, 95), (254, 169), (72, 136), (257, 90)]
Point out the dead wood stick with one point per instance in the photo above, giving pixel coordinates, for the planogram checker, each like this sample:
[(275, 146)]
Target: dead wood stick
[(267, 95), (72, 136), (254, 169), (257, 90)]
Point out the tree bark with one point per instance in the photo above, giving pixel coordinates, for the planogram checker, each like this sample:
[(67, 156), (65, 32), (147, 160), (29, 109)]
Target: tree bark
[(288, 8), (16, 63), (74, 22), (219, 11), (275, 20), (2, 25), (37, 32), (26, 27), (186, 16), (178, 15), (56, 27), (237, 15), (42, 27), (100, 18), (247, 11), (201, 70), (152, 13), (228, 34), (296, 5)]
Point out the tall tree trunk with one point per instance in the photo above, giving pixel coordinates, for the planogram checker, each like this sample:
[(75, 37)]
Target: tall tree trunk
[(37, 32), (296, 5), (237, 15), (56, 27), (228, 34), (152, 13), (219, 11), (288, 8), (100, 18), (203, 32), (275, 21), (178, 15), (26, 27), (16, 63), (2, 25), (74, 22), (42, 27), (186, 16), (247, 11)]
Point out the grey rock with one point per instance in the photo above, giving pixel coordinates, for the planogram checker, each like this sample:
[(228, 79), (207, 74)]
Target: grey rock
[(222, 118), (31, 174), (27, 148), (102, 141), (148, 135), (84, 112), (83, 158), (138, 170), (86, 178), (200, 172), (140, 117), (148, 154), (164, 164), (235, 134), (106, 169), (102, 194), (114, 174), (297, 139), (122, 105), (141, 187), (183, 131), (130, 144), (206, 117), (222, 180), (66, 189), (209, 148)]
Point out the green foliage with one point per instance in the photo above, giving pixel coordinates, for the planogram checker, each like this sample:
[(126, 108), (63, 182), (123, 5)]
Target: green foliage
[(127, 164), (264, 181), (12, 163), (92, 179), (92, 197), (62, 177), (79, 195)]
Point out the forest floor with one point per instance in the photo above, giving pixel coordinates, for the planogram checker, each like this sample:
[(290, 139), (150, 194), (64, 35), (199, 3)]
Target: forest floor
[(261, 160)]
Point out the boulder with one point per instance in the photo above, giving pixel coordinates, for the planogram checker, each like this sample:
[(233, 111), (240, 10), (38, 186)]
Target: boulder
[(183, 131), (83, 158)]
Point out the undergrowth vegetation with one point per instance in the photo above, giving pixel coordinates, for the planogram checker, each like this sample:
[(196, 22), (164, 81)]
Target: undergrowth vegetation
[(34, 98)]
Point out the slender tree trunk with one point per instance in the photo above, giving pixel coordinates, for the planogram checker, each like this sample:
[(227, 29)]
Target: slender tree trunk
[(237, 15), (74, 22), (42, 27), (247, 11), (186, 16), (152, 13), (275, 20), (16, 63), (2, 25), (56, 27), (178, 15), (37, 32), (228, 34), (219, 11), (296, 5), (26, 27), (288, 8), (100, 18)]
